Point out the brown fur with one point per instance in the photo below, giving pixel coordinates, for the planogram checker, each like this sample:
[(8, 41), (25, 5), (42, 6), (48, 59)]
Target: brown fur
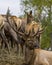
[(16, 19), (33, 25), (8, 27), (43, 57)]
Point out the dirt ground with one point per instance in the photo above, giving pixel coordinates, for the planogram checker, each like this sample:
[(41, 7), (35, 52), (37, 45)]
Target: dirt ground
[(10, 59)]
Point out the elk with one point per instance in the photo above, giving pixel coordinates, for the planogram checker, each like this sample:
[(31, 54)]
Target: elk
[(38, 56), (7, 26), (29, 37), (10, 29), (20, 26), (33, 28), (14, 31), (2, 34)]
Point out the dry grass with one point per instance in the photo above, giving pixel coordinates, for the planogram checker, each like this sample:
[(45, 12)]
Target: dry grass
[(10, 59)]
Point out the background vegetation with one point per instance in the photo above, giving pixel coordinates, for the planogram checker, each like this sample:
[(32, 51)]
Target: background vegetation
[(42, 11)]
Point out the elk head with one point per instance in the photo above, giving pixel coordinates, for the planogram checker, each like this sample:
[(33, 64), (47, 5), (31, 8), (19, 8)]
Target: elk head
[(31, 41)]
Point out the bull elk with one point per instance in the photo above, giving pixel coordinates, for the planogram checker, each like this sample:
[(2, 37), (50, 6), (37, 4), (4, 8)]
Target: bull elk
[(39, 56)]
